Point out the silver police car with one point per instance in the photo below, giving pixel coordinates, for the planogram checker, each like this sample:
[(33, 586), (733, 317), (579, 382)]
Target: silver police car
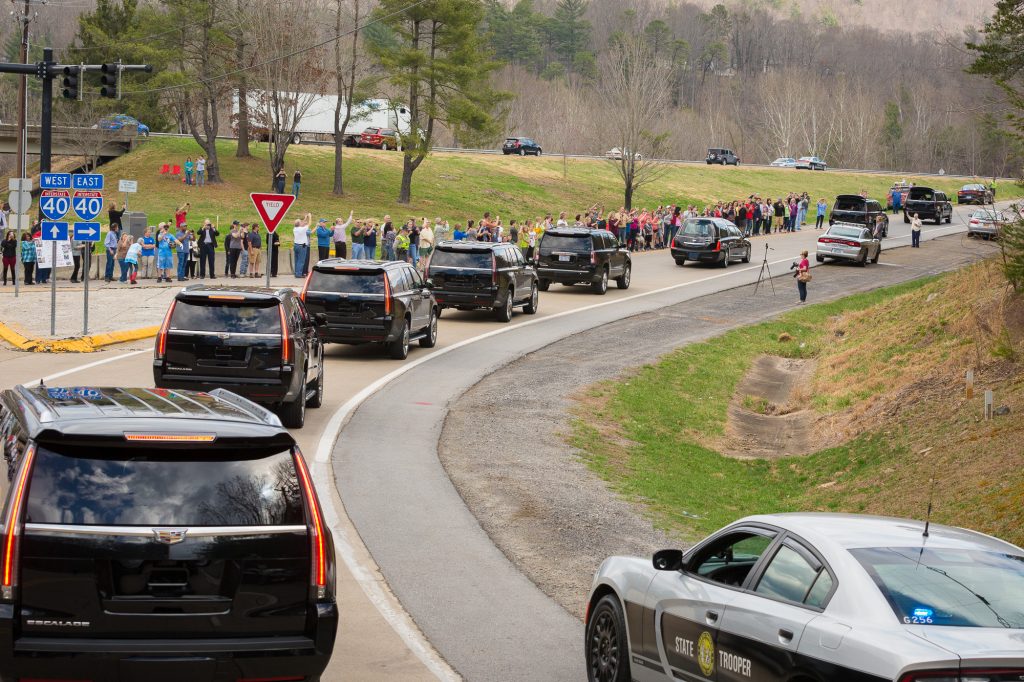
[(849, 241), (813, 598)]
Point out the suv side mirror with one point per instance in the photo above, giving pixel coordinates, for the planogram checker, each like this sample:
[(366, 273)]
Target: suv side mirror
[(428, 283), (668, 559), (320, 318)]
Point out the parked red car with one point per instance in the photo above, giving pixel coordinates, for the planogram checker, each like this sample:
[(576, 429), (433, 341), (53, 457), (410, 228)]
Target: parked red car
[(379, 138)]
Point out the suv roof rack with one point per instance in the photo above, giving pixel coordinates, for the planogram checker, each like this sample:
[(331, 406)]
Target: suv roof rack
[(265, 415)]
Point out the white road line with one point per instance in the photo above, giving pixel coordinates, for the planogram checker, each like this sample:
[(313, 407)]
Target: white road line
[(82, 368), (891, 265)]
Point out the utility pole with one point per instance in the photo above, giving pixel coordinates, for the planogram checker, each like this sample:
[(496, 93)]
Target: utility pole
[(24, 19)]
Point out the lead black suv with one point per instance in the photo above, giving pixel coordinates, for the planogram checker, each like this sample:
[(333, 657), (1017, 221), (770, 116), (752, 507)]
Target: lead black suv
[(474, 275), (710, 240), (928, 204), (572, 255), (853, 208), (521, 146), (259, 343), (154, 535), (364, 301)]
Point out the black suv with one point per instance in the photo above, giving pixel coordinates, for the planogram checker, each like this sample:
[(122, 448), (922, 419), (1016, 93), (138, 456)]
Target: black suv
[(363, 301), (521, 146), (725, 157), (259, 343), (159, 535), (571, 255), (928, 204), (474, 275), (853, 208), (710, 240)]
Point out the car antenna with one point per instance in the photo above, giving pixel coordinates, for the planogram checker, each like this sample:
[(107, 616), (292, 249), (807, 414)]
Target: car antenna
[(928, 516)]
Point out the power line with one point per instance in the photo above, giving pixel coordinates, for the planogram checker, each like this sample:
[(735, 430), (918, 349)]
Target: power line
[(140, 39), (302, 50)]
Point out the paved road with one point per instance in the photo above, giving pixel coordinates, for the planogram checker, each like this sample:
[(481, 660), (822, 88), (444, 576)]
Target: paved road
[(377, 640)]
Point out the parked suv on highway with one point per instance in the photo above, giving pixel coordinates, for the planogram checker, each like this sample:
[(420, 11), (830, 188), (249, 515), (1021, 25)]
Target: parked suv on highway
[(710, 240), (571, 255), (853, 208), (927, 203), (366, 301), (259, 343), (521, 146), (379, 138), (153, 534), (474, 275), (722, 156)]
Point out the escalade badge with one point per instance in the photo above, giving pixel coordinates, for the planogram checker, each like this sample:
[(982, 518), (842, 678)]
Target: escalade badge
[(170, 536)]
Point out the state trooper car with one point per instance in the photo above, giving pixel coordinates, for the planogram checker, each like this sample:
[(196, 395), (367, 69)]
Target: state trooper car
[(813, 598)]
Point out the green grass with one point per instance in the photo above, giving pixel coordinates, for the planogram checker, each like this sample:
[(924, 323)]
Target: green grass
[(455, 186), (668, 416)]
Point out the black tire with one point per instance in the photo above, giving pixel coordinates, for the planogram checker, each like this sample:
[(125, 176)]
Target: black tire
[(862, 262), (503, 313), (725, 260), (622, 281), (906, 218), (293, 414), (430, 340), (399, 348), (746, 258), (522, 152), (820, 259), (606, 647), (949, 219), (531, 307), (383, 146), (543, 284), (878, 254), (318, 398), (600, 287), (539, 152), (680, 262)]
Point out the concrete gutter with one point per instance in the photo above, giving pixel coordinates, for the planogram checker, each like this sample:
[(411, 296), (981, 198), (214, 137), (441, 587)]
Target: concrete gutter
[(77, 344)]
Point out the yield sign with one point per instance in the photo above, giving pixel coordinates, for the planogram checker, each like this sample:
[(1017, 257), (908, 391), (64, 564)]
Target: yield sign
[(271, 207)]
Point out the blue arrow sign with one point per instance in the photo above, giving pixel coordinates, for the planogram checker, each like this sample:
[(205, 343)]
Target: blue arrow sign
[(54, 232), (86, 232), (55, 181), (87, 181)]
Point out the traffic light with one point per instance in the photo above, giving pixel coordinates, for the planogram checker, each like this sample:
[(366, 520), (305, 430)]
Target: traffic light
[(70, 82), (111, 81)]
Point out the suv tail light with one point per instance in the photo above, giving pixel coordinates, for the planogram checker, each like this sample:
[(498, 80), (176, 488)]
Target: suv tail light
[(161, 338), (305, 286), (718, 246), (317, 534), (593, 258), (286, 350), (387, 295), (12, 528)]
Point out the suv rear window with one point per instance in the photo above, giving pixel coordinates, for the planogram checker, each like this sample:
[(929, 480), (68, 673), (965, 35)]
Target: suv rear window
[(922, 194), (850, 204), (351, 282), (249, 316), (102, 485), (552, 243), (697, 227), (461, 259), (958, 587)]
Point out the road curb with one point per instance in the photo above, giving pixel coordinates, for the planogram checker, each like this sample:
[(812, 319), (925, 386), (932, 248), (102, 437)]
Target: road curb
[(78, 344)]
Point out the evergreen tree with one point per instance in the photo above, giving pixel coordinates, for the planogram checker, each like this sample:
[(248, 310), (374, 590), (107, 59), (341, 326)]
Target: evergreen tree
[(569, 31)]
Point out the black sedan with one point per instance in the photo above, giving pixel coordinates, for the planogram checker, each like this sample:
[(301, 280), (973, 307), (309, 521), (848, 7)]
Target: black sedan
[(710, 240)]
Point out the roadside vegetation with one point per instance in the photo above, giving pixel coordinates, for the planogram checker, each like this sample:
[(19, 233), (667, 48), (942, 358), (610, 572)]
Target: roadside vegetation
[(458, 186), (890, 413)]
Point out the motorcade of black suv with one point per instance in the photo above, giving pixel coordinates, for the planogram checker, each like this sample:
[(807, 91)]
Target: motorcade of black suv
[(722, 156), (259, 343), (155, 535), (853, 208), (572, 255), (367, 301), (710, 240), (928, 204), (521, 146), (471, 275)]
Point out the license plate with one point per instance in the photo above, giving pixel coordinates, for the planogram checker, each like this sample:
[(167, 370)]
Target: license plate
[(693, 256), (564, 259)]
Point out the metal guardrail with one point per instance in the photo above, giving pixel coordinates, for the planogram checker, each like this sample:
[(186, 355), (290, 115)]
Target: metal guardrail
[(700, 162)]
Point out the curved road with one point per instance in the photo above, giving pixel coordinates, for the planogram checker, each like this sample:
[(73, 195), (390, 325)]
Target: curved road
[(377, 639)]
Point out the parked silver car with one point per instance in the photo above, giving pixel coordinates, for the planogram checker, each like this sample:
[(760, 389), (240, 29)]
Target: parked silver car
[(848, 241), (813, 598), (987, 223)]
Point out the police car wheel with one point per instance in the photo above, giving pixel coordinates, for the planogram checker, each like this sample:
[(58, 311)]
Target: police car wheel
[(606, 648)]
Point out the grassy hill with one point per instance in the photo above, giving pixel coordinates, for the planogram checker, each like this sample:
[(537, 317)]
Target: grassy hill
[(888, 403), (456, 186)]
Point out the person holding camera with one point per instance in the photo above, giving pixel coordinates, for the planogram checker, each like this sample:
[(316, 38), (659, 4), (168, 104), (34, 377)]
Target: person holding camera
[(803, 275)]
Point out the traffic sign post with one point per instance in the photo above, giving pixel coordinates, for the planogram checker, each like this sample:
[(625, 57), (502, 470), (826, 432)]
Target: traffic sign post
[(127, 187), (54, 203), (271, 209)]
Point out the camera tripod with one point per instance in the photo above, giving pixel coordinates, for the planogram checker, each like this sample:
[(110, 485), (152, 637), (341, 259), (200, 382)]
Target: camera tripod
[(765, 270)]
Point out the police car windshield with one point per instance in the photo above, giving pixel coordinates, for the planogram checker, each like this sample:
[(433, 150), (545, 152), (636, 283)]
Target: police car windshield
[(963, 588)]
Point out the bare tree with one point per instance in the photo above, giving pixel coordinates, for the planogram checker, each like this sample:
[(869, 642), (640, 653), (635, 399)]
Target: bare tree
[(283, 30), (632, 80), (82, 134), (243, 86), (347, 74)]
